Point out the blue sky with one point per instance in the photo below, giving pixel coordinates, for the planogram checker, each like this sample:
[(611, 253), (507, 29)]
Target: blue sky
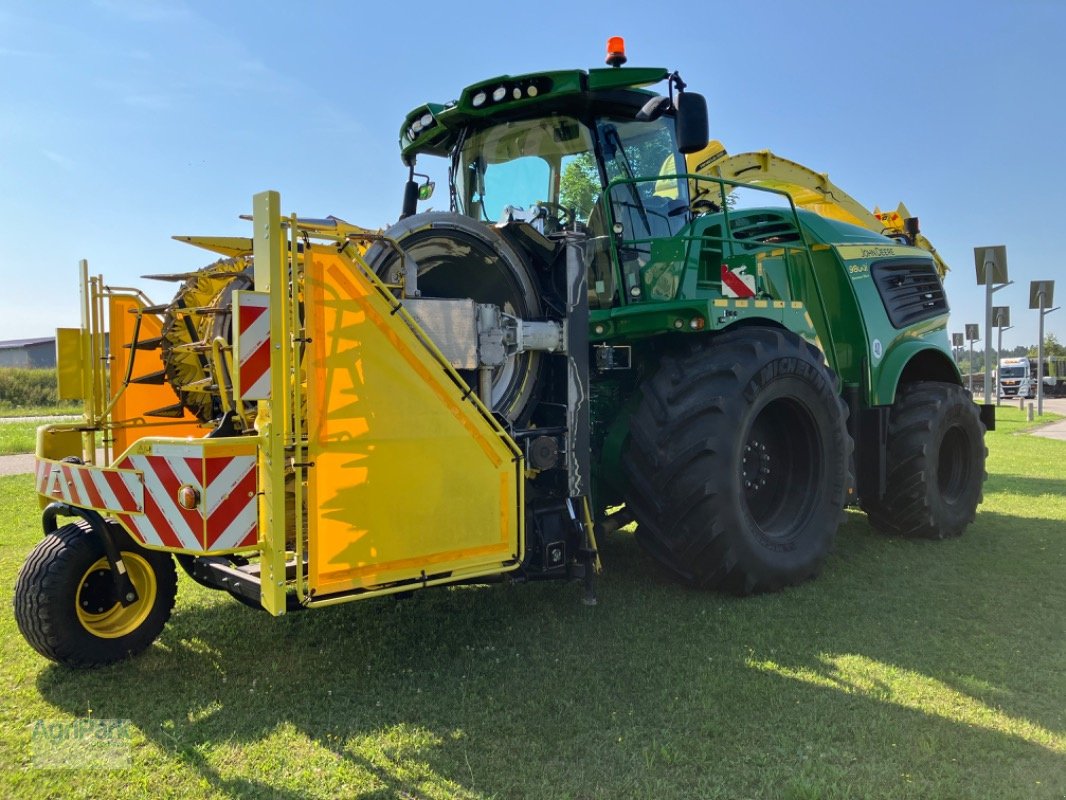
[(124, 122)]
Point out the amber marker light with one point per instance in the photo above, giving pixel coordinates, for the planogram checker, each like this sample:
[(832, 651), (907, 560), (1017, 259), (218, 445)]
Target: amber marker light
[(188, 497), (616, 51)]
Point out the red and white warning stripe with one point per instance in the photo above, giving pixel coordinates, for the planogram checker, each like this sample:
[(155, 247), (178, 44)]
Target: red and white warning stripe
[(92, 487), (142, 491), (227, 515), (230, 503), (252, 314), (165, 523), (737, 284)]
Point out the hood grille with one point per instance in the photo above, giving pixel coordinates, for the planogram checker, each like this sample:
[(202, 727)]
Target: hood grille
[(911, 291)]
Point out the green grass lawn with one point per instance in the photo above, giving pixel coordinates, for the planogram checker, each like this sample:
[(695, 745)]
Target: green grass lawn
[(17, 437), (908, 670), (9, 410)]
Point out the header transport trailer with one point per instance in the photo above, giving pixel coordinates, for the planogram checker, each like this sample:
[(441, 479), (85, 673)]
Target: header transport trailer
[(596, 332)]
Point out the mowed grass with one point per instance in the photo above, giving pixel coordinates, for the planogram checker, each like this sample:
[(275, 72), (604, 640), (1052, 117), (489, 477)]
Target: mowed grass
[(908, 670), (17, 437), (60, 409)]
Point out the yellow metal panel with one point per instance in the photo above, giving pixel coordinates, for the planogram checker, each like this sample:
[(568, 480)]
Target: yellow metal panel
[(56, 442), (409, 479), (69, 364), (270, 276)]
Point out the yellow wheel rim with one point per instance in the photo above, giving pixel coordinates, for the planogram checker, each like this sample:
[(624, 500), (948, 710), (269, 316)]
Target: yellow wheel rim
[(98, 610)]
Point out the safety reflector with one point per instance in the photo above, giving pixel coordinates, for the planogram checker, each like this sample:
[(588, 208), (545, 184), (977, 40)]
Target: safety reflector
[(251, 315)]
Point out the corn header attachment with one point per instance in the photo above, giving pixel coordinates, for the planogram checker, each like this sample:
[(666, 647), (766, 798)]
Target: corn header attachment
[(313, 383)]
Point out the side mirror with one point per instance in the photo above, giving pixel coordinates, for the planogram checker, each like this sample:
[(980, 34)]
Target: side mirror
[(413, 192), (410, 200), (692, 128)]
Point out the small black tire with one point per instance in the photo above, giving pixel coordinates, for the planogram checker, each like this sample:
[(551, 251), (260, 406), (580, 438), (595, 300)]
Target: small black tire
[(709, 423), (935, 463), (65, 604)]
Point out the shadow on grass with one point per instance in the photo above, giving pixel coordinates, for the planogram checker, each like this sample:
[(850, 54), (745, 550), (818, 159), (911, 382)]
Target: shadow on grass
[(901, 652), (1025, 485)]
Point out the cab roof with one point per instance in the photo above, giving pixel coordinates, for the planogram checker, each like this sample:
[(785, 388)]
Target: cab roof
[(433, 128)]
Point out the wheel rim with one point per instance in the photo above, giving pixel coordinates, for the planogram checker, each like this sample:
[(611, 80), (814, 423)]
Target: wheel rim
[(953, 467), (98, 608), (781, 467)]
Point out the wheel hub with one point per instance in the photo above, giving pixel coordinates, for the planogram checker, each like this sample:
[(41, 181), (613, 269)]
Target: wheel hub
[(755, 466), (98, 608), (97, 593), (780, 467)]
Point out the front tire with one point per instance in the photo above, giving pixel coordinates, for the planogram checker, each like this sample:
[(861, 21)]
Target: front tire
[(737, 462), (65, 602), (935, 462)]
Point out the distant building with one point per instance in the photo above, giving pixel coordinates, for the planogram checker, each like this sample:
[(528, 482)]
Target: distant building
[(37, 353)]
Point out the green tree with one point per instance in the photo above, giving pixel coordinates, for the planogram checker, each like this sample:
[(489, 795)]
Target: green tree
[(1052, 347), (579, 185)]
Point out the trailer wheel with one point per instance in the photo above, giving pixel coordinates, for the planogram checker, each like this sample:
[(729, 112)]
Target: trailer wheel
[(935, 463), (65, 602), (737, 462)]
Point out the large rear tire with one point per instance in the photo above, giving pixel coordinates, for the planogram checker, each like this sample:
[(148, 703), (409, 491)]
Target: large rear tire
[(935, 461), (737, 462), (65, 602)]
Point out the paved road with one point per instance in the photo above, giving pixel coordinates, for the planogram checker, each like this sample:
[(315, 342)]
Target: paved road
[(15, 465), (1056, 430)]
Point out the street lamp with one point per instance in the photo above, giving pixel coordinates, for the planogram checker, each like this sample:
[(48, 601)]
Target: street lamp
[(1041, 295), (991, 263)]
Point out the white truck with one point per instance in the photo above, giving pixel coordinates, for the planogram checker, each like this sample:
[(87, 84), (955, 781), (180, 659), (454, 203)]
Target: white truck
[(1017, 377)]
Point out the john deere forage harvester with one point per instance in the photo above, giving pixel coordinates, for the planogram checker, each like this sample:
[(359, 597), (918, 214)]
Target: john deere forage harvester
[(595, 332)]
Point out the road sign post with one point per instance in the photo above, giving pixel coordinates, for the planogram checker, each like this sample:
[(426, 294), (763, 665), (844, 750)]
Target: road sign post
[(1001, 314), (1041, 295), (991, 264), (972, 334)]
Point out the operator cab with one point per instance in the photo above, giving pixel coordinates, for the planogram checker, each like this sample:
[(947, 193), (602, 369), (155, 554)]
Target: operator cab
[(550, 171), (542, 150)]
